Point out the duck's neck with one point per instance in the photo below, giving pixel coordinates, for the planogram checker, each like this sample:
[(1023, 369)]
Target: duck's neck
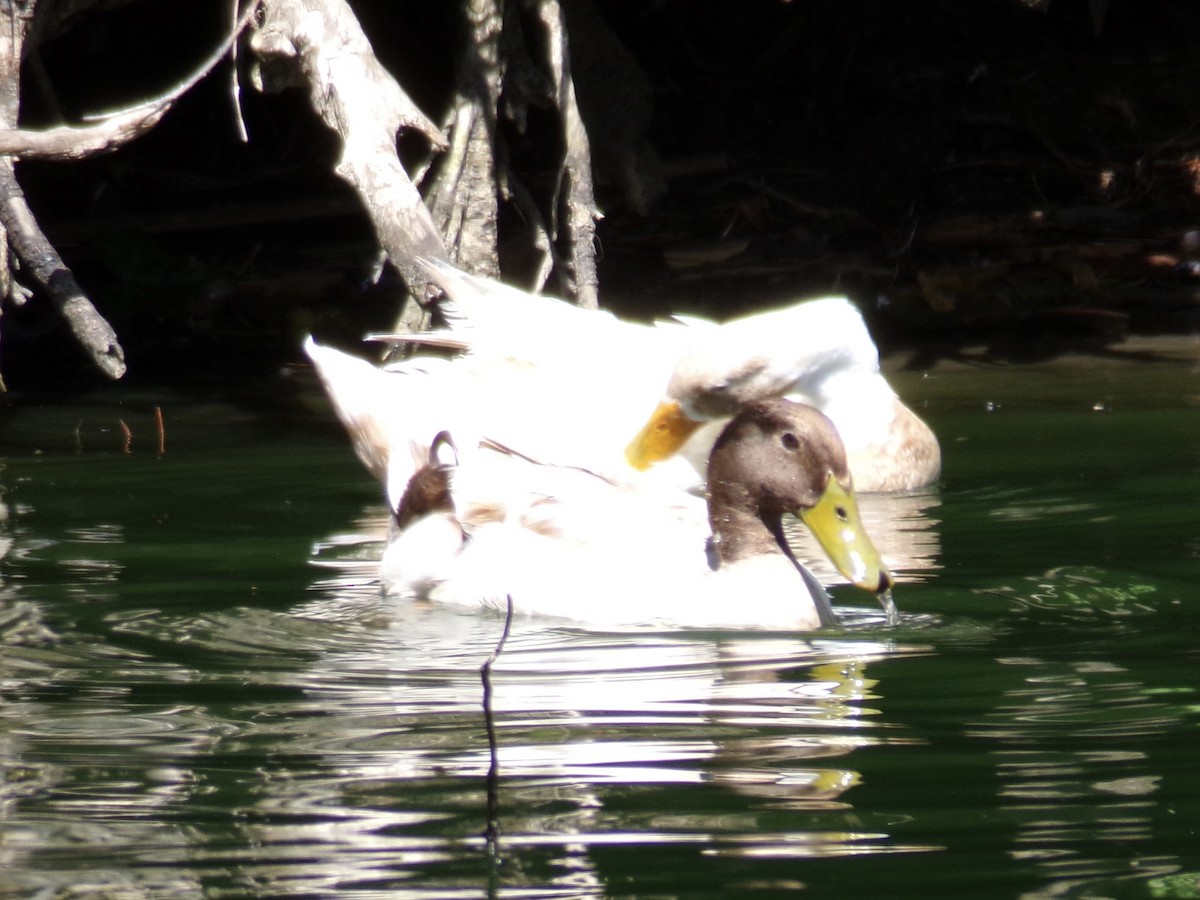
[(738, 533)]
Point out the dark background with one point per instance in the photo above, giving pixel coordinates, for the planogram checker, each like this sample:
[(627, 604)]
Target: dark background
[(968, 171)]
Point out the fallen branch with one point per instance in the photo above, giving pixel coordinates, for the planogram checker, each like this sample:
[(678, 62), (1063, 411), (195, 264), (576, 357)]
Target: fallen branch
[(35, 253), (78, 142)]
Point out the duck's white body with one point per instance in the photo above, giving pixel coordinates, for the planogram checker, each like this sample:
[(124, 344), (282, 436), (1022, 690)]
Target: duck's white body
[(584, 549), (817, 352), (392, 414), (573, 386), (545, 577)]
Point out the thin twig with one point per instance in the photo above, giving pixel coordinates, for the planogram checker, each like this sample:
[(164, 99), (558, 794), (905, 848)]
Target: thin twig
[(492, 831), (235, 86), (162, 433)]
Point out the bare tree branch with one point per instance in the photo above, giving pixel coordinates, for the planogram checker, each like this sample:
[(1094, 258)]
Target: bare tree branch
[(112, 129), (576, 172), (463, 196), (320, 45), (51, 274), (36, 253), (76, 142)]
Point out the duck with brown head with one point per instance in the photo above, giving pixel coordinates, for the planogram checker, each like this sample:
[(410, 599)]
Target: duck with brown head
[(564, 542)]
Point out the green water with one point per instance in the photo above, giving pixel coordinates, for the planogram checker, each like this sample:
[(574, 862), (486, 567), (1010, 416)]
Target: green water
[(203, 695)]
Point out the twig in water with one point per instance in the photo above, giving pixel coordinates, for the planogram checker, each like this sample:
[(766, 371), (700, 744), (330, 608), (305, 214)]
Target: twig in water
[(127, 446), (492, 831), (162, 434)]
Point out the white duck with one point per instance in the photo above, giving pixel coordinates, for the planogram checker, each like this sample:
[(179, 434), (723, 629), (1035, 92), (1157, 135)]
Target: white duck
[(565, 542), (393, 413), (596, 373)]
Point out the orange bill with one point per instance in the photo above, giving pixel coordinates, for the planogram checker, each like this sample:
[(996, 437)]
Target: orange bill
[(667, 430)]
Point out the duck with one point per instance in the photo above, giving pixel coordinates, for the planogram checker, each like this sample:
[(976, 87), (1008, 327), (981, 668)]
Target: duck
[(817, 352), (494, 527), (681, 379), (392, 413)]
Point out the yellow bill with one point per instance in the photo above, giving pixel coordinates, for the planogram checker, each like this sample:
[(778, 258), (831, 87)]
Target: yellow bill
[(835, 523), (667, 430)]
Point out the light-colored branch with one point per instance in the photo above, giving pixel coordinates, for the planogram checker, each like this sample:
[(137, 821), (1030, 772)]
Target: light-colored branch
[(46, 268), (38, 257), (112, 129), (578, 197), (320, 45), (77, 142), (463, 198)]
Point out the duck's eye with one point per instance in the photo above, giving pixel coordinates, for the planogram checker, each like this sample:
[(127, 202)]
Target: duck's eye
[(841, 513), (790, 441)]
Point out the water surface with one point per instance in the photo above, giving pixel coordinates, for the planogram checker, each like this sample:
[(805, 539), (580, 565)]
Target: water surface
[(203, 694)]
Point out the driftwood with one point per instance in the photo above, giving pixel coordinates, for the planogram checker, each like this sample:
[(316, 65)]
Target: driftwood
[(75, 141), (43, 264), (318, 44), (111, 130)]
